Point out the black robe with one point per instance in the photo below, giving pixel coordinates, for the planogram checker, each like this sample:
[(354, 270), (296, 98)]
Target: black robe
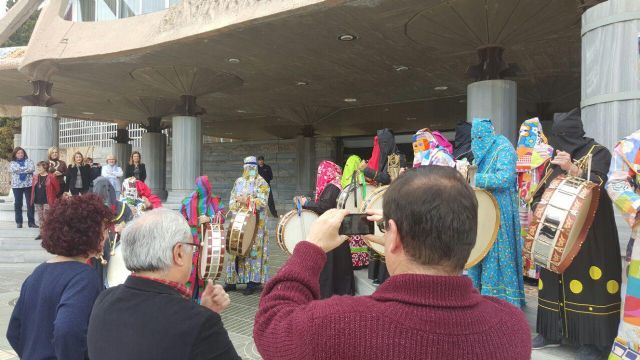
[(336, 277), (583, 304)]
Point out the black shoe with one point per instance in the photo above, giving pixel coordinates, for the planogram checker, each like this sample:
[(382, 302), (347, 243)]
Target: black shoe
[(19, 226), (230, 287), (33, 226), (251, 289), (376, 282), (591, 352), (540, 342), (39, 237)]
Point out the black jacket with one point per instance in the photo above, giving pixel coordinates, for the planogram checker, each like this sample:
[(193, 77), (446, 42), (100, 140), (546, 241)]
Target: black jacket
[(129, 172), (266, 173), (72, 173), (146, 320)]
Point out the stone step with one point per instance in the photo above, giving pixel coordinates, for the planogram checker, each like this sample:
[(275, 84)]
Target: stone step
[(7, 244), (24, 256), (364, 286)]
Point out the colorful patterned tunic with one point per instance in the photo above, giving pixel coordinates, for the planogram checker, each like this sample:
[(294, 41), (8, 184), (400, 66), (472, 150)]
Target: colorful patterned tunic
[(500, 272), (623, 188), (255, 266), (359, 249)]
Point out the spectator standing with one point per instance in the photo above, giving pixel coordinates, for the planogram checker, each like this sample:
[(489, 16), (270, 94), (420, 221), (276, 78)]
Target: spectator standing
[(136, 168), (427, 309), (57, 167), (51, 316), (265, 172), (78, 175), (95, 170), (44, 191), (113, 172), (22, 169)]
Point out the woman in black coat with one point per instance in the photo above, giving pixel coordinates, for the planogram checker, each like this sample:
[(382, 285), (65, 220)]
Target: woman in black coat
[(336, 277), (78, 176), (136, 168)]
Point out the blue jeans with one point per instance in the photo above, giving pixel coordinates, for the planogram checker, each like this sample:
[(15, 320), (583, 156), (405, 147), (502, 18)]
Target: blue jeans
[(18, 193)]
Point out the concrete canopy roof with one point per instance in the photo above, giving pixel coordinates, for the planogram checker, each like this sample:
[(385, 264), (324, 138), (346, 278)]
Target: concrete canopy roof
[(293, 71)]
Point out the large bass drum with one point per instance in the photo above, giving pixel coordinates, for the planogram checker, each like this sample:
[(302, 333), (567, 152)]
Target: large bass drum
[(294, 228), (211, 259), (353, 196), (242, 231), (561, 222), (488, 223)]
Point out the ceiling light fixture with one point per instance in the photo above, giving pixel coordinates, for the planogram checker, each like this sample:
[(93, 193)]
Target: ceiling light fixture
[(241, 111), (88, 113), (440, 88), (302, 83), (399, 68), (350, 100), (233, 60), (347, 37)]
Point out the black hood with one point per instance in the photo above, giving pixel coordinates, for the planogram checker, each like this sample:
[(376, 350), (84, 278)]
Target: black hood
[(567, 133), (462, 147)]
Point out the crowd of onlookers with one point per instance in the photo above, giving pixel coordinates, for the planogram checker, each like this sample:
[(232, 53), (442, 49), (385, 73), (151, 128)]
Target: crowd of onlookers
[(41, 182)]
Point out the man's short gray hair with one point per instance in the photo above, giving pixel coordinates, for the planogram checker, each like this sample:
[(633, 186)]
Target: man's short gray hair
[(148, 241)]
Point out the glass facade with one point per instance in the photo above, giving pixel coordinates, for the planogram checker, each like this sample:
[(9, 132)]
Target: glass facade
[(76, 133), (102, 10)]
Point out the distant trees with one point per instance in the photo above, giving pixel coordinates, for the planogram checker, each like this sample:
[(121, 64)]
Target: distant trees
[(23, 34)]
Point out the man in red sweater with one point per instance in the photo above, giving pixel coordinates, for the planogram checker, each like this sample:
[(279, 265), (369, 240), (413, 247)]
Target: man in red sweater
[(426, 310)]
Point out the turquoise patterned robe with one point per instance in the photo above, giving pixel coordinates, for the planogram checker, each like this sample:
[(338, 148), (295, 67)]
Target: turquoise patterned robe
[(500, 273)]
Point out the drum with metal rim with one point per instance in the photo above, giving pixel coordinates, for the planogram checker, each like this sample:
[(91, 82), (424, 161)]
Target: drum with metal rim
[(211, 259), (488, 223), (293, 228), (561, 222), (242, 231), (117, 271), (354, 195)]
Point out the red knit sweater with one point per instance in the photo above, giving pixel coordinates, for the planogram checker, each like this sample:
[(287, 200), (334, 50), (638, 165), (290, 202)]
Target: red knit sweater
[(408, 317)]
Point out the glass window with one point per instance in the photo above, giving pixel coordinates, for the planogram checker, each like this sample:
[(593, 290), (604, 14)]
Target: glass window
[(85, 10), (106, 10), (129, 8), (152, 5)]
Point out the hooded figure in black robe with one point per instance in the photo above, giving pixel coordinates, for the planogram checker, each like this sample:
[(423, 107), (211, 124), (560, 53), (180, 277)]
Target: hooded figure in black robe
[(462, 147), (582, 305)]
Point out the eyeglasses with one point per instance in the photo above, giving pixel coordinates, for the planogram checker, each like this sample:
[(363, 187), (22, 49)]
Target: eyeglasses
[(196, 246)]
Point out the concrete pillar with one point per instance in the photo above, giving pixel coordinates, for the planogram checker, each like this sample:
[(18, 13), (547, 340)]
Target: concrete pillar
[(121, 149), (154, 152), (17, 140), (37, 131), (611, 77), (305, 164), (56, 132), (496, 100), (610, 72), (186, 156)]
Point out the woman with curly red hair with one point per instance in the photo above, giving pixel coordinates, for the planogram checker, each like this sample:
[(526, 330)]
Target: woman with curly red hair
[(51, 316)]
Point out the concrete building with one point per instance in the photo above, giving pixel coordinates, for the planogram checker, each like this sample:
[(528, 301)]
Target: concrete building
[(301, 80)]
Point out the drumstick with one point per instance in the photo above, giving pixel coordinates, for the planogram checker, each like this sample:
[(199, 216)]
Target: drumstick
[(299, 206)]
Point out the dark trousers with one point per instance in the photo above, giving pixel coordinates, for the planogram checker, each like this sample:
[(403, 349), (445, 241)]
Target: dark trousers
[(18, 193), (272, 205)]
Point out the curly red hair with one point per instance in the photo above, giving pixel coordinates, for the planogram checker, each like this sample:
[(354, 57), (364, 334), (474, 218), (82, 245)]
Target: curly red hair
[(75, 225)]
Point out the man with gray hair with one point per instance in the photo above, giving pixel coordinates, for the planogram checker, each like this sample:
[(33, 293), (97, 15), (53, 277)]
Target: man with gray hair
[(150, 316)]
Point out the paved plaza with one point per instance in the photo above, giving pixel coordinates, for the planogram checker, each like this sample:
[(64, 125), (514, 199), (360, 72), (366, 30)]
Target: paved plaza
[(238, 318)]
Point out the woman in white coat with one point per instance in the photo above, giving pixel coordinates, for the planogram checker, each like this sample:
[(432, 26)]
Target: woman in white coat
[(113, 172)]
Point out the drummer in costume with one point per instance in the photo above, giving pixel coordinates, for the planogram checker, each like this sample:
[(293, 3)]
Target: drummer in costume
[(336, 277), (534, 153), (500, 272), (623, 186), (583, 304), (462, 150), (138, 195), (359, 249), (253, 269), (428, 151), (199, 208)]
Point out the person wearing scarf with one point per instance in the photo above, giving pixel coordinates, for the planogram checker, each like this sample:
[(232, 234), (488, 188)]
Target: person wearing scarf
[(252, 269), (199, 208), (534, 153), (121, 215), (500, 272), (22, 169), (336, 277), (428, 151), (623, 186), (359, 249), (462, 149), (583, 304), (57, 167), (377, 167)]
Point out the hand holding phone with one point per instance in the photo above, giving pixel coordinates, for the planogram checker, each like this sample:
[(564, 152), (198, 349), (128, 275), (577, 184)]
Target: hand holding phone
[(356, 224)]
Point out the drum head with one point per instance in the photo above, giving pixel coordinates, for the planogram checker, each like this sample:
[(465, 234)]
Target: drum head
[(117, 272), (297, 228), (205, 252), (488, 225), (211, 256), (375, 202), (250, 232)]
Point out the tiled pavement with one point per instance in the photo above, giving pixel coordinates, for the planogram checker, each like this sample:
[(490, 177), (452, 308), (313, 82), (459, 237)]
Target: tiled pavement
[(238, 318)]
